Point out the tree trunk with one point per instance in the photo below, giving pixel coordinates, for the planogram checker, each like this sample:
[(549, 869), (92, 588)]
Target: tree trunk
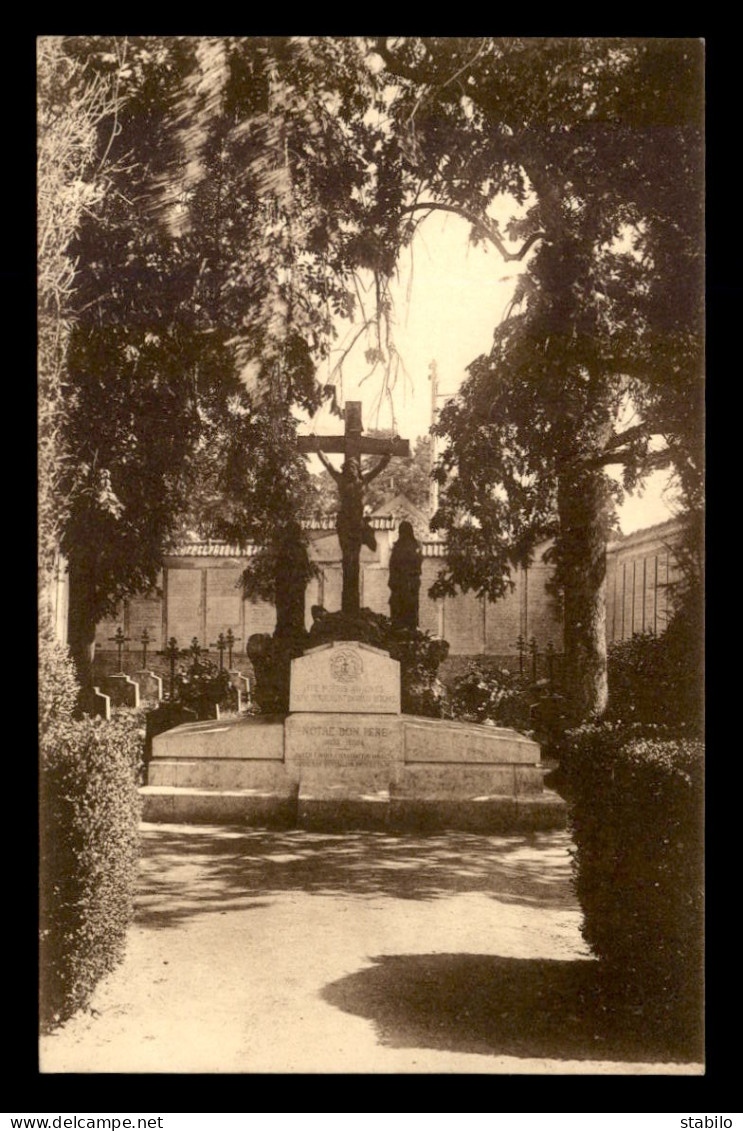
[(82, 622), (582, 505)]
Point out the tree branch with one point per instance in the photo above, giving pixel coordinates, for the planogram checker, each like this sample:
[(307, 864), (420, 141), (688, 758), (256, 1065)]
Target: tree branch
[(367, 476), (652, 461), (622, 438), (480, 225), (402, 70)]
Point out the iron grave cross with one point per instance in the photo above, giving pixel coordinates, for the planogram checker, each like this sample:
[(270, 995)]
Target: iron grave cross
[(351, 482)]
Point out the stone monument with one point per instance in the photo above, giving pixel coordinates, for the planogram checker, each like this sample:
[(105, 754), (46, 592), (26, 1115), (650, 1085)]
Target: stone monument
[(345, 756)]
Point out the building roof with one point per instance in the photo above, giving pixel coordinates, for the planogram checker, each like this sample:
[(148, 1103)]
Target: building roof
[(431, 546), (670, 529)]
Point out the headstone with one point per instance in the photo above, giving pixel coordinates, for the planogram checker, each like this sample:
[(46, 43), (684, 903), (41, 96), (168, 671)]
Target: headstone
[(150, 685), (345, 677), (122, 690), (96, 703), (241, 683)]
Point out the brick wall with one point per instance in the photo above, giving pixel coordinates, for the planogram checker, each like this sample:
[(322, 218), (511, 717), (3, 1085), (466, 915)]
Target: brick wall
[(199, 596), (641, 568)]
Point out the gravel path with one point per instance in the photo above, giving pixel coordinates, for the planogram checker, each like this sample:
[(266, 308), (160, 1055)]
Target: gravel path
[(257, 952)]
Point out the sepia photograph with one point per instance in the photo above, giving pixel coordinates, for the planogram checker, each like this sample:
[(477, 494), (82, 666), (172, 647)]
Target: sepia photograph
[(371, 456)]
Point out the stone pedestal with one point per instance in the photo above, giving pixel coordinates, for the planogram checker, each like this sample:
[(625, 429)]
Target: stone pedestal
[(345, 757), (344, 766)]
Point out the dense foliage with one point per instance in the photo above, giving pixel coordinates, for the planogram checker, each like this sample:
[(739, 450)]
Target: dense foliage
[(486, 694), (89, 819), (636, 813), (599, 363), (70, 184), (660, 679), (249, 178), (409, 476)]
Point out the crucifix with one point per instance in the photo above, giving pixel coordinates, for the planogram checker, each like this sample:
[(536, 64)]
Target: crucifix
[(352, 530)]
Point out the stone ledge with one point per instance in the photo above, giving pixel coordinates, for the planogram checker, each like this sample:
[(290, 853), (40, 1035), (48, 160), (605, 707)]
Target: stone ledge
[(165, 804), (449, 741), (255, 737), (320, 811), (221, 774), (479, 814)]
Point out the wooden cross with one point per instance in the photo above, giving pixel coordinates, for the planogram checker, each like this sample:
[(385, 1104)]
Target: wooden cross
[(351, 482)]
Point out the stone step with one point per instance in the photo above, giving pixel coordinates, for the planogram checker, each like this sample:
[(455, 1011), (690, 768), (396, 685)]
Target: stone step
[(254, 807), (324, 811)]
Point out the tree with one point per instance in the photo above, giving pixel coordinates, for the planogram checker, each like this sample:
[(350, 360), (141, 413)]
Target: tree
[(600, 142), (263, 172), (70, 184), (193, 331)]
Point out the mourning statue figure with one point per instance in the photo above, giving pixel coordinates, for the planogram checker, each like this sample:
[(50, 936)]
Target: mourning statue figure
[(405, 579)]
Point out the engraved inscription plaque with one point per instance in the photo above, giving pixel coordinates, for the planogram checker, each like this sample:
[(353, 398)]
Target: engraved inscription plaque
[(345, 676), (358, 750)]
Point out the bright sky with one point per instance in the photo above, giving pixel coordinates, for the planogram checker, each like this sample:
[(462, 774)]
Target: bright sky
[(448, 299)]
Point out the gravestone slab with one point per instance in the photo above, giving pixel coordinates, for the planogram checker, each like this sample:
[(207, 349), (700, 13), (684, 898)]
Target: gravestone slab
[(96, 703), (258, 738), (445, 741), (122, 690), (150, 685), (345, 677)]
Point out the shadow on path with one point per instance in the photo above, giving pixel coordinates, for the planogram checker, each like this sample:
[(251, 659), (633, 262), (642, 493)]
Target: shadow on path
[(190, 871), (479, 1003)]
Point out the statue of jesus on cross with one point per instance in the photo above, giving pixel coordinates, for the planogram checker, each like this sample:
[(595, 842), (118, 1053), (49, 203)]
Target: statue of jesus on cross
[(351, 481)]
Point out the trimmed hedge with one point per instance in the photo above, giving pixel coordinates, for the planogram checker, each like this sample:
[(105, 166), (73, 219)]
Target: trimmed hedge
[(89, 821), (58, 686), (660, 679), (636, 811)]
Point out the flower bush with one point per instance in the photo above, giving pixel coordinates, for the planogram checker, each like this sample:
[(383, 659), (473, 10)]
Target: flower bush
[(202, 686), (484, 694)]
